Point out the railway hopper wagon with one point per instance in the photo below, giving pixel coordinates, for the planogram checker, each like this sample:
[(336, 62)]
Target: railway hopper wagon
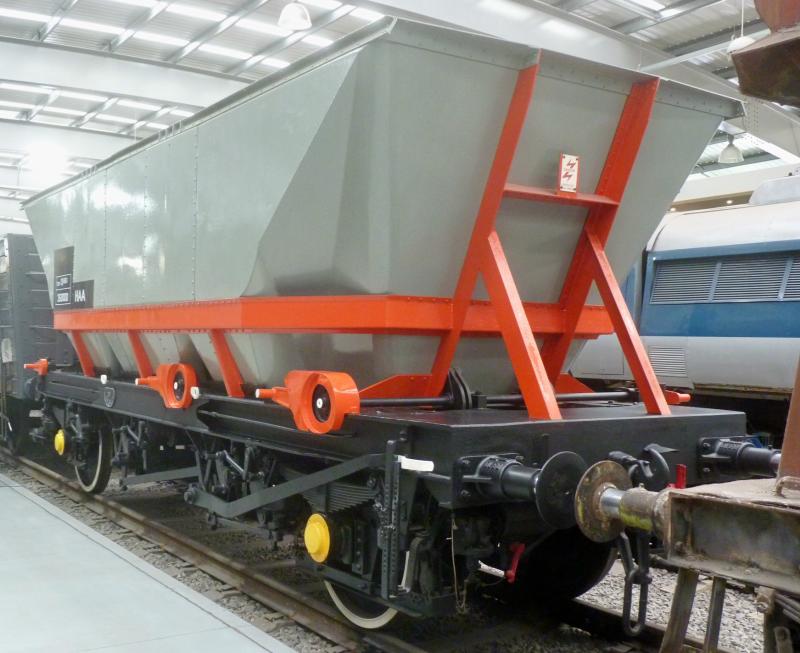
[(348, 293), (26, 333)]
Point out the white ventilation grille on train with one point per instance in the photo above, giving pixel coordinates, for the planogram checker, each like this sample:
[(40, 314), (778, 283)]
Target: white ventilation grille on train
[(668, 361), (793, 283), (762, 278), (683, 282), (750, 278)]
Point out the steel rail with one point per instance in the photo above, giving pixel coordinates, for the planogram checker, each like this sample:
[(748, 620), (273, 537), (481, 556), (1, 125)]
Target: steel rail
[(311, 613), (606, 623)]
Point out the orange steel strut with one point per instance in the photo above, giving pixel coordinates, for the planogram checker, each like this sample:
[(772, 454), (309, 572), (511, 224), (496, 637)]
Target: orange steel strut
[(538, 372), (589, 263), (485, 256)]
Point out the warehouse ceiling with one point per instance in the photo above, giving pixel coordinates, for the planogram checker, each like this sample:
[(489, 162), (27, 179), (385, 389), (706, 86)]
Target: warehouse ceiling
[(696, 33), (222, 45), (79, 79)]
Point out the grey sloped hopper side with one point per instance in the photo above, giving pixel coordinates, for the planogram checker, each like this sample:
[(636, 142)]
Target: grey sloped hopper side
[(356, 172)]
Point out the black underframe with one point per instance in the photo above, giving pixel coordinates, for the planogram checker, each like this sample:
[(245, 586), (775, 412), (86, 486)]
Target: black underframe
[(374, 440)]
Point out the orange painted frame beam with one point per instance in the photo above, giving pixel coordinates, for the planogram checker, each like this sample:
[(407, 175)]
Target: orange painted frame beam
[(625, 328), (227, 364), (379, 314), (143, 363), (84, 357), (530, 193)]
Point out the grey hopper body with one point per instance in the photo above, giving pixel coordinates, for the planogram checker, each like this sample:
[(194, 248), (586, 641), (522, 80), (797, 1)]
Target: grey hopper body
[(360, 171)]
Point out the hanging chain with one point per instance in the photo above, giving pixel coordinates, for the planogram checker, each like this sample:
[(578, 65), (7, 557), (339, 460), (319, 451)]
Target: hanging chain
[(635, 574)]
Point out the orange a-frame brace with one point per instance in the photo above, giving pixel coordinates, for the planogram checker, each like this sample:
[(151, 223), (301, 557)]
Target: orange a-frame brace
[(505, 314), (537, 372)]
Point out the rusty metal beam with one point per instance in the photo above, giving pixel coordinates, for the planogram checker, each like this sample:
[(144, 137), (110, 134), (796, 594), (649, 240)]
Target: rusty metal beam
[(790, 451)]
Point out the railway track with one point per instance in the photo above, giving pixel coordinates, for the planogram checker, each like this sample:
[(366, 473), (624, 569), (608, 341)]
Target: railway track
[(316, 615), (304, 610)]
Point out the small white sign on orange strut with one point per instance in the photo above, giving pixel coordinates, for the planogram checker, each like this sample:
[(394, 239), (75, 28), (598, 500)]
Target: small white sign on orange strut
[(568, 172)]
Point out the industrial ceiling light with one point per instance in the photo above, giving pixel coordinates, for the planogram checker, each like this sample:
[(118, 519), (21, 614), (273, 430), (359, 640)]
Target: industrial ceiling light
[(741, 41), (195, 12), (261, 26), (89, 97), (319, 41), (166, 39), (295, 17), (730, 154), (650, 4), (365, 14), (135, 104), (328, 5), (25, 88)]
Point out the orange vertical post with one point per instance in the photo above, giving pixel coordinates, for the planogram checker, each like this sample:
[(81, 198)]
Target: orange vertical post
[(485, 256)]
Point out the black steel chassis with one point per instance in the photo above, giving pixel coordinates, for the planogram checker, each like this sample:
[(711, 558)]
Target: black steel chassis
[(378, 440)]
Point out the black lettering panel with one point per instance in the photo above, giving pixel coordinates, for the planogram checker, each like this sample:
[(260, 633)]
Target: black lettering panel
[(62, 281), (83, 294), (68, 293)]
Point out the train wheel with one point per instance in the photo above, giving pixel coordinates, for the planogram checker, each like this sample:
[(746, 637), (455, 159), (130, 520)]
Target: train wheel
[(360, 610), (567, 564), (93, 466), (563, 566)]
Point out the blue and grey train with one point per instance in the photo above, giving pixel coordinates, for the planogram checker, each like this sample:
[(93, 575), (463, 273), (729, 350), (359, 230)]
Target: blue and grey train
[(716, 295)]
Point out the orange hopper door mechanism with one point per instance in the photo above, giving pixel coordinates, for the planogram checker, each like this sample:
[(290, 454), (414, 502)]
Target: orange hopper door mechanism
[(41, 366), (176, 383), (319, 401)]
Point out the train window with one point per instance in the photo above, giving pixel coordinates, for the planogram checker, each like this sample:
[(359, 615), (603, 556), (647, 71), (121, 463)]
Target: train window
[(753, 278)]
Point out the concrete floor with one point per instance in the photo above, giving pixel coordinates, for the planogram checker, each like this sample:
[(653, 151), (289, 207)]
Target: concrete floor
[(64, 588)]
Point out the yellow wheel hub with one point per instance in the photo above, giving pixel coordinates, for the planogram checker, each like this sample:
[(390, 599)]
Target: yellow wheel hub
[(60, 442), (317, 537)]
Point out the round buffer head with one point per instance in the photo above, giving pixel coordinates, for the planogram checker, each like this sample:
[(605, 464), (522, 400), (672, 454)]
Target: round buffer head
[(593, 521), (555, 488)]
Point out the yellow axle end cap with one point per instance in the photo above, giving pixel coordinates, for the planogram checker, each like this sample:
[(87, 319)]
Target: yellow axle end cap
[(317, 537), (60, 442)]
